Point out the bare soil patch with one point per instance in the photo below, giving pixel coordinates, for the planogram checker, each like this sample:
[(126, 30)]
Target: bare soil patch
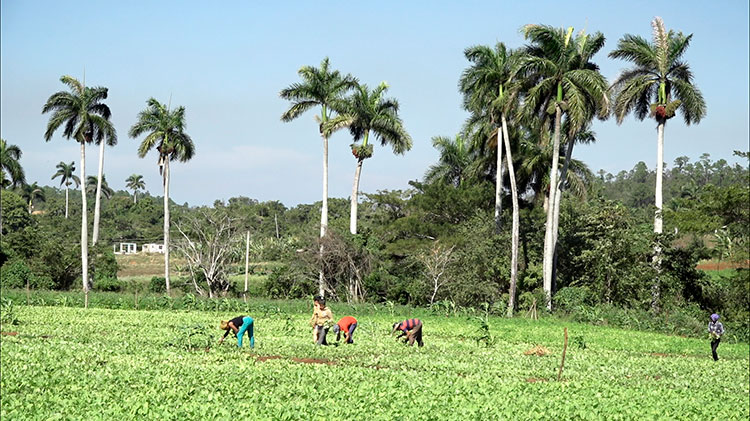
[(269, 357), (313, 361), (9, 333), (535, 380)]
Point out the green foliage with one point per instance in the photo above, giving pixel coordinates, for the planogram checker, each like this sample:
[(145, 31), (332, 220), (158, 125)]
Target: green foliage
[(192, 338), (15, 274), (289, 282), (157, 284), (8, 312), (108, 284), (572, 298), (103, 264)]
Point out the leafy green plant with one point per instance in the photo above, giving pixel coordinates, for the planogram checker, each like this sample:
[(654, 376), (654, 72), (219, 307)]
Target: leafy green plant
[(8, 312)]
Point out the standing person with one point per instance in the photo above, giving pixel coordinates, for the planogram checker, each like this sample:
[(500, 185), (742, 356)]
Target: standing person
[(321, 319), (715, 330), (238, 326), (316, 308), (412, 329), (346, 325)]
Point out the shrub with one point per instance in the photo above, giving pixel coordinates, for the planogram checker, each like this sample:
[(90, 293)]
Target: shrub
[(286, 282), (572, 298), (157, 284), (15, 274), (108, 284)]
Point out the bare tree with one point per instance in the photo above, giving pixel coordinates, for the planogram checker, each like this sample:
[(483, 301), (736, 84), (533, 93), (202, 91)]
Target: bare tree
[(209, 244), (436, 261), (345, 265)]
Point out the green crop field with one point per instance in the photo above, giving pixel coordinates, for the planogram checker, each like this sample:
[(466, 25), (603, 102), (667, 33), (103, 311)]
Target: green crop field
[(71, 363)]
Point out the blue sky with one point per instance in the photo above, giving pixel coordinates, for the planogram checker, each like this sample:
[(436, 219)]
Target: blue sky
[(227, 61)]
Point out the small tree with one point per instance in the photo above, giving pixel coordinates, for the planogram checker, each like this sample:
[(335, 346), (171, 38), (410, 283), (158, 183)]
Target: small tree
[(436, 260), (209, 244)]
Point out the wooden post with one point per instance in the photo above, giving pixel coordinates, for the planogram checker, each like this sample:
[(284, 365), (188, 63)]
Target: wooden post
[(247, 261), (562, 363), (136, 298), (28, 293)]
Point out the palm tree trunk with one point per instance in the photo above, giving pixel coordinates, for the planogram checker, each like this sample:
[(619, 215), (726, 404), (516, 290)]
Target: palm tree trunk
[(556, 221), (658, 223), (66, 201), (166, 223), (516, 225), (355, 193), (548, 237), (84, 231), (135, 196), (499, 181), (323, 215), (97, 204)]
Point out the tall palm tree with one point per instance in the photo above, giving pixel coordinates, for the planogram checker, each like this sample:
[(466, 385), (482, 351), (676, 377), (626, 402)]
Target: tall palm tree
[(367, 111), (86, 119), (94, 184), (325, 88), (9, 157), (453, 162), (135, 182), (658, 85), (564, 81), (490, 90), (166, 133), (66, 172), (32, 193)]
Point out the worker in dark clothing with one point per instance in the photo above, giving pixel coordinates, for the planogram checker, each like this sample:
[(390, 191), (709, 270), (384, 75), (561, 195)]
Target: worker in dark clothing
[(412, 329), (715, 330), (238, 326)]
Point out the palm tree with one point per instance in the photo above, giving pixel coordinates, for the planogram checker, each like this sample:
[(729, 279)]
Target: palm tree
[(67, 177), (86, 120), (367, 111), (135, 182), (9, 157), (325, 88), (564, 81), (93, 185), (490, 90), (453, 162), (32, 193), (658, 85), (166, 133)]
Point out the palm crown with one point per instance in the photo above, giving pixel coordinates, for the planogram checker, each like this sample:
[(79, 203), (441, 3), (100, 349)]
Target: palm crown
[(9, 157), (135, 182), (91, 182), (81, 110), (368, 111), (660, 82), (319, 87), (165, 130), (66, 174)]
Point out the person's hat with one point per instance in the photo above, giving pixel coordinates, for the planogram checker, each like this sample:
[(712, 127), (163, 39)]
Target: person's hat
[(224, 325), (714, 317), (395, 327), (336, 328)]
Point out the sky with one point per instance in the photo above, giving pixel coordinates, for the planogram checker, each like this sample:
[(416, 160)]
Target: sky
[(226, 62)]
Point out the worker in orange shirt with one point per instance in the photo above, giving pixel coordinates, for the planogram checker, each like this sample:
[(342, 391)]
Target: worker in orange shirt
[(346, 325)]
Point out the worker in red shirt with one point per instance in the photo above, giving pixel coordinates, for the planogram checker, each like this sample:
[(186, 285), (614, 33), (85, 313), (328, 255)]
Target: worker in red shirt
[(346, 325), (411, 328)]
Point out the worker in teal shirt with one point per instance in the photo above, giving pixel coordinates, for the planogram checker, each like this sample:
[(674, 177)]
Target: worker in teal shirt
[(238, 326)]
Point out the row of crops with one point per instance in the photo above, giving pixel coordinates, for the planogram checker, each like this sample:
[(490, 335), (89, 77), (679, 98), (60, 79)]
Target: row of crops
[(69, 363)]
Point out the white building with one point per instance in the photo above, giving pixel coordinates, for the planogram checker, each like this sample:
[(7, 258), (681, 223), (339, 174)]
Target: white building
[(125, 248), (153, 248)]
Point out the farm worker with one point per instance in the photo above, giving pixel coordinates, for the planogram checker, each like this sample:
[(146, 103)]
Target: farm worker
[(321, 320), (316, 306), (346, 325), (238, 326), (411, 328), (715, 330)]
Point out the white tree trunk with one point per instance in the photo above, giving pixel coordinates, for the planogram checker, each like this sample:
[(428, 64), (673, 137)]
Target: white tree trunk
[(135, 196), (499, 181), (84, 230), (247, 261), (323, 215), (556, 208), (355, 194), (549, 247), (516, 225), (658, 225), (66, 201), (97, 204), (166, 223)]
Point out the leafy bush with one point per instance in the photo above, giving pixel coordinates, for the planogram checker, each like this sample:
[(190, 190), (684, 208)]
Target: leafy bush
[(288, 282), (192, 338), (15, 274), (102, 262), (572, 298), (157, 284), (108, 284), (8, 312)]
